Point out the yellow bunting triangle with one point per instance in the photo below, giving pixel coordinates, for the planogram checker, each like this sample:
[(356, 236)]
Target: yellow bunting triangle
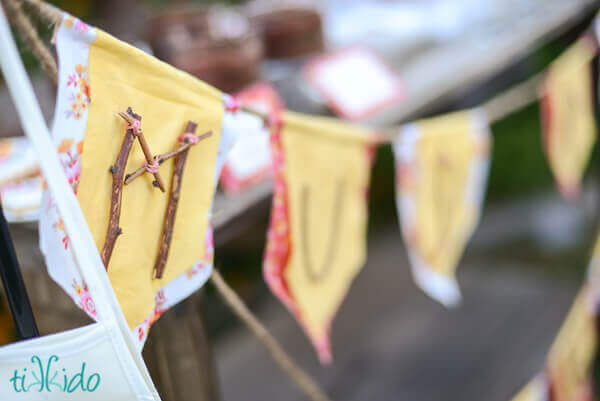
[(317, 236), (441, 172), (569, 130), (101, 76)]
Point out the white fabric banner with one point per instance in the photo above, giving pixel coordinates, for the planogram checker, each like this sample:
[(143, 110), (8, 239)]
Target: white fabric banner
[(79, 364)]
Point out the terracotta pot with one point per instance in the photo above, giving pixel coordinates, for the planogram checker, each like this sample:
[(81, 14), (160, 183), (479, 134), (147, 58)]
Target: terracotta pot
[(291, 32)]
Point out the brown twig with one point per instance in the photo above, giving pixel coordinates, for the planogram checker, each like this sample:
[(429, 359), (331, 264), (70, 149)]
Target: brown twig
[(158, 182), (285, 362), (165, 239), (162, 158), (118, 170)]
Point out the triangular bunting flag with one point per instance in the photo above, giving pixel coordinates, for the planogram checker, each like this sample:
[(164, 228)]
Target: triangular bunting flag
[(317, 234), (249, 161), (161, 246), (441, 173), (569, 128)]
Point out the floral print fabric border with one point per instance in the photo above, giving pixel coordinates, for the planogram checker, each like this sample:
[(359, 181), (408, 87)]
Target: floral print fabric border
[(279, 242)]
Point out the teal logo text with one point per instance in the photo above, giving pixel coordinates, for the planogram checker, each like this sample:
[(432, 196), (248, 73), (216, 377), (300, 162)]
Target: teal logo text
[(48, 376)]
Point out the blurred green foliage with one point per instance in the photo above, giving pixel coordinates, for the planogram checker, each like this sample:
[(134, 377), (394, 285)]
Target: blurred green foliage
[(518, 165)]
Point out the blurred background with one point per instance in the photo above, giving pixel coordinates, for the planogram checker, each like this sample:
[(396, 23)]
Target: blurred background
[(390, 342)]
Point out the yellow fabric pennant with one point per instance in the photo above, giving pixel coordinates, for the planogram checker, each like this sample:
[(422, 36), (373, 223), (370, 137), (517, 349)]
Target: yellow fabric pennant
[(121, 76), (571, 355), (441, 172), (317, 236), (569, 129)]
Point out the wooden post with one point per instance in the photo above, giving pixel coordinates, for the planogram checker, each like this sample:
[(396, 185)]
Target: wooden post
[(179, 355)]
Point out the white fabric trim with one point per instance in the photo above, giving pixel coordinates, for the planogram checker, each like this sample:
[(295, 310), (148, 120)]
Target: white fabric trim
[(443, 289)]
